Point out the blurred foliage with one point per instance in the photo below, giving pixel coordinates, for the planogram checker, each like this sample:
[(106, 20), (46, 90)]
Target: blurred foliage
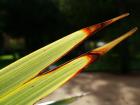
[(43, 21)]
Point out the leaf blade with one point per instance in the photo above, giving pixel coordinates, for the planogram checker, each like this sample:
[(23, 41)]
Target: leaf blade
[(44, 84), (16, 74)]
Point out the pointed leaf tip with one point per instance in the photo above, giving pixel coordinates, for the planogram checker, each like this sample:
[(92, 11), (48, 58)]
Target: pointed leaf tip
[(102, 50), (120, 17), (99, 26), (65, 101)]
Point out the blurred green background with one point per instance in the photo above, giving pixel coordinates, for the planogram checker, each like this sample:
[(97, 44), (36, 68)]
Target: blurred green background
[(26, 25)]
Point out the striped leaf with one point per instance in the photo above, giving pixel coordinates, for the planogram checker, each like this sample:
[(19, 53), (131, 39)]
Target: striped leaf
[(45, 83), (21, 71)]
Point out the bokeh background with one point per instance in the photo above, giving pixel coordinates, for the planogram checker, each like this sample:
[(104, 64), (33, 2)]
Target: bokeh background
[(26, 25)]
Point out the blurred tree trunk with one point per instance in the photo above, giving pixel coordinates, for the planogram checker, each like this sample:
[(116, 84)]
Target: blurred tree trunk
[(1, 41), (124, 49)]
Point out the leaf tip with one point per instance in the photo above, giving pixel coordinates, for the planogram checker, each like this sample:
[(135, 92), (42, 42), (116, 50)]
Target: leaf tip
[(94, 28), (103, 49)]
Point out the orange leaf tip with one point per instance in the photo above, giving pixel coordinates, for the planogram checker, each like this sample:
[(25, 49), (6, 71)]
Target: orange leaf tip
[(103, 49), (94, 28)]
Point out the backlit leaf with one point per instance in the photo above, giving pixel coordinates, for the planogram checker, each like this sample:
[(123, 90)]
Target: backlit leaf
[(44, 84), (21, 71)]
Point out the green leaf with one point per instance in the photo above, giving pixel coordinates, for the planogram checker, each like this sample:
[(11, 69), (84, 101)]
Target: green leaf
[(44, 84), (65, 101), (21, 71)]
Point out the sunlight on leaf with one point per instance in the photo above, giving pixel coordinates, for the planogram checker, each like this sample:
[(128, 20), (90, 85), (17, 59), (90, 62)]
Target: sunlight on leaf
[(21, 71), (44, 84)]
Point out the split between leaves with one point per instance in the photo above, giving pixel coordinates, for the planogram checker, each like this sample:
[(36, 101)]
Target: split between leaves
[(24, 82)]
